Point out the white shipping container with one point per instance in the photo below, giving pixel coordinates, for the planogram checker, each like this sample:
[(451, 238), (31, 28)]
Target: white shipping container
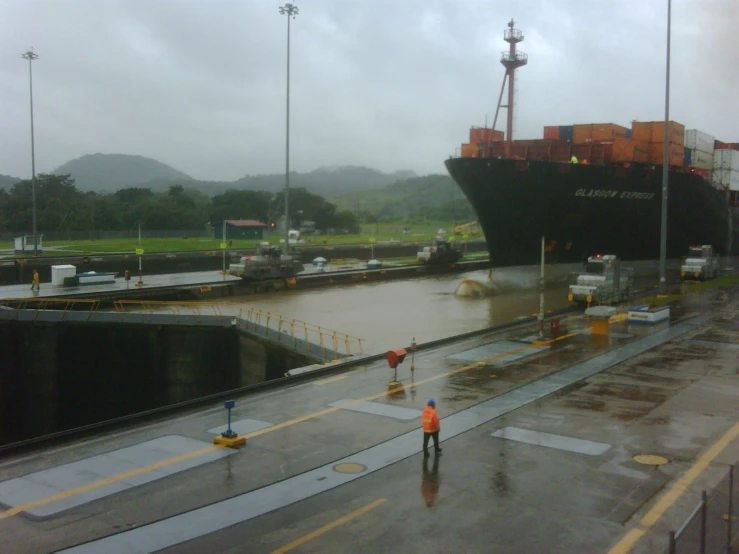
[(700, 159), (725, 178), (695, 140), (726, 159)]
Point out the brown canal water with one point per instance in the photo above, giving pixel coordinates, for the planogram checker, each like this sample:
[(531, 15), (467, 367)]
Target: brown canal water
[(390, 314)]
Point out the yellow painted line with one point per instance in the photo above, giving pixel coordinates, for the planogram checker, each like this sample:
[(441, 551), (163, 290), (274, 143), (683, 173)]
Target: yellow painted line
[(164, 463), (103, 482), (325, 529), (330, 380), (658, 510)]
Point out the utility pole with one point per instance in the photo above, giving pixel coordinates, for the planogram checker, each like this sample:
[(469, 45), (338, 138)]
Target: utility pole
[(665, 167), (30, 56), (291, 10)]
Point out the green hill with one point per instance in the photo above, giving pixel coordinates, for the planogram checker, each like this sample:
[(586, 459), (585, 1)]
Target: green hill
[(110, 172), (6, 181), (419, 195)]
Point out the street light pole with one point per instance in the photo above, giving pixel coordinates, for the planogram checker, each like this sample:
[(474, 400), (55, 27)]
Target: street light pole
[(291, 10), (30, 56), (665, 167)]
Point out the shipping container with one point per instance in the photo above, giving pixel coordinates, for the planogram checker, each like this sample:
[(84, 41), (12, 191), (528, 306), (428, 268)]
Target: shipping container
[(676, 153), (567, 132), (469, 151), (675, 132), (696, 158), (727, 145), (641, 131), (551, 133), (725, 178), (726, 159), (484, 134), (630, 150), (628, 133), (696, 140), (687, 157), (608, 131), (583, 152), (582, 134)]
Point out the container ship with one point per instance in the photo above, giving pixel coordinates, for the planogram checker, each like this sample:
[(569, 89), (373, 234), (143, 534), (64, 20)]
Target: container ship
[(597, 187)]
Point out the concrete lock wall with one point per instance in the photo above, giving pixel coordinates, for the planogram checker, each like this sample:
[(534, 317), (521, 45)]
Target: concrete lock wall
[(60, 376)]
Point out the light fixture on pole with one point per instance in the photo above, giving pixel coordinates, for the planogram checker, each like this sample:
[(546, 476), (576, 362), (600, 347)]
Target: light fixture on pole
[(30, 56), (291, 10), (665, 167)]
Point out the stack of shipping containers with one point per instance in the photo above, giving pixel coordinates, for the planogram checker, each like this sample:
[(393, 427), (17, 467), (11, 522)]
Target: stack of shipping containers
[(699, 152), (653, 132), (725, 174)]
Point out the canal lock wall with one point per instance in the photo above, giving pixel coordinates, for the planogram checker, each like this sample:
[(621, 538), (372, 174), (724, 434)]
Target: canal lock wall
[(56, 376)]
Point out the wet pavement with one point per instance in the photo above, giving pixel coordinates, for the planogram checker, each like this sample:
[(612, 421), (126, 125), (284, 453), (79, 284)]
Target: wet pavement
[(120, 286), (538, 454)]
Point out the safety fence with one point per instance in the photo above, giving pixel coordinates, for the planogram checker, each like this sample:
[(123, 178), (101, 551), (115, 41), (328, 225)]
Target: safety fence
[(713, 527), (54, 236), (288, 328)]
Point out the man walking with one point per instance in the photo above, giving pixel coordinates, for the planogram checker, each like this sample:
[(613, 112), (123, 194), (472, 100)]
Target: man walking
[(431, 427), (35, 281)]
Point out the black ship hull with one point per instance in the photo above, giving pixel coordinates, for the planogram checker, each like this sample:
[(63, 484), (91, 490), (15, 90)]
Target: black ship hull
[(583, 210)]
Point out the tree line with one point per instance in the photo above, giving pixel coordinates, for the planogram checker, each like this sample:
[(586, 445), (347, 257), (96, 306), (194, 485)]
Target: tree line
[(60, 206)]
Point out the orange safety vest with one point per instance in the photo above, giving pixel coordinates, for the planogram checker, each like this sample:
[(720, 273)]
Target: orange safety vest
[(430, 420)]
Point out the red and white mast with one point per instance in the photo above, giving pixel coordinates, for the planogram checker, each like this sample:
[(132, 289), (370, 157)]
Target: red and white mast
[(511, 60)]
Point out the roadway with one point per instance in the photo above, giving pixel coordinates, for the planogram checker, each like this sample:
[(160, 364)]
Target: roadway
[(539, 445)]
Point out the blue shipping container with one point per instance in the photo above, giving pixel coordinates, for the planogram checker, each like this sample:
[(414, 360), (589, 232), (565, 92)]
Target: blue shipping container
[(687, 157), (566, 132), (628, 133)]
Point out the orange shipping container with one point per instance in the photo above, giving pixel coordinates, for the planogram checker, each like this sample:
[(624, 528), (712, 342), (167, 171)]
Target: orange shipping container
[(469, 150), (582, 134), (641, 131), (551, 132), (608, 131), (630, 150), (484, 134), (675, 132), (675, 153)]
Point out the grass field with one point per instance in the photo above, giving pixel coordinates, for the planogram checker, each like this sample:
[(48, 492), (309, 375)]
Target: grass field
[(380, 232)]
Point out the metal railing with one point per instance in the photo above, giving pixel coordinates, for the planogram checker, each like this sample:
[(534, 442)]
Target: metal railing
[(711, 528), (310, 333), (64, 305)]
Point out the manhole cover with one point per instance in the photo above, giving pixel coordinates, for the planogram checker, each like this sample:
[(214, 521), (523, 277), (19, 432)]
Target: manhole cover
[(350, 468), (650, 459)]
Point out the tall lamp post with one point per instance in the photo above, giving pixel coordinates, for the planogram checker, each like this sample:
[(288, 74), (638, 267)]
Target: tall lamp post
[(291, 10), (665, 167), (30, 56)]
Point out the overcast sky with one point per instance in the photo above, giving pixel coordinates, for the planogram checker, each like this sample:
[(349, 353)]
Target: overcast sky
[(388, 84)]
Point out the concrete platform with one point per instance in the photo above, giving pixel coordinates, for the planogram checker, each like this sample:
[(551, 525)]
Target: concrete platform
[(538, 456), (121, 288)]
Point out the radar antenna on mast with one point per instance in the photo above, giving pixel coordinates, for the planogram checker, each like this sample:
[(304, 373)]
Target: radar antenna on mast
[(511, 60)]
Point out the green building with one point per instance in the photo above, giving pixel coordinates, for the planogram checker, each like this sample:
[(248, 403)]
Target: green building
[(239, 229)]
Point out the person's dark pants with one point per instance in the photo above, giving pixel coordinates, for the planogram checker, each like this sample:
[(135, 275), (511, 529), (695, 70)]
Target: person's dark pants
[(435, 436)]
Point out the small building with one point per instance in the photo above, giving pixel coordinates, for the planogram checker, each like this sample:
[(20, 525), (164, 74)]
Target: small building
[(239, 229), (24, 244)]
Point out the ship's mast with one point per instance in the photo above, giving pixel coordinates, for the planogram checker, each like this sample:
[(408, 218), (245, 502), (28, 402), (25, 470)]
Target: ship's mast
[(511, 60)]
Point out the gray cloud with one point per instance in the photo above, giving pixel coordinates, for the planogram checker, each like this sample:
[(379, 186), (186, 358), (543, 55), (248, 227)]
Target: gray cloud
[(200, 85)]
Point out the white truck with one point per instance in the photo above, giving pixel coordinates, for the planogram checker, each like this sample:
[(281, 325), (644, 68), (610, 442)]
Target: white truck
[(700, 264), (603, 282)]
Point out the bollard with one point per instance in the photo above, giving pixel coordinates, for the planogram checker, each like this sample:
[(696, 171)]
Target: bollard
[(229, 437), (413, 354)]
